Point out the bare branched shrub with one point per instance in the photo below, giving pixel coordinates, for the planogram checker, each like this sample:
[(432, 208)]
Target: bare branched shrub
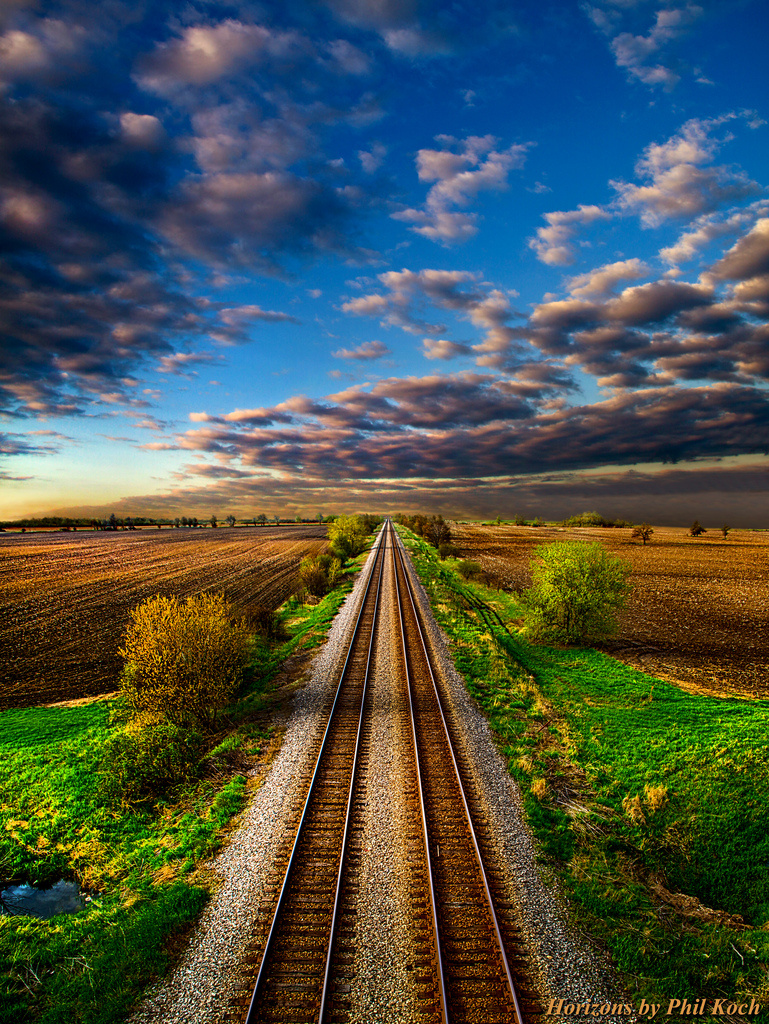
[(183, 659)]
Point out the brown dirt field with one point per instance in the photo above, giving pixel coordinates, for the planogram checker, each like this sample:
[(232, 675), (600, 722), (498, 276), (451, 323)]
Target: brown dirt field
[(699, 611), (65, 597)]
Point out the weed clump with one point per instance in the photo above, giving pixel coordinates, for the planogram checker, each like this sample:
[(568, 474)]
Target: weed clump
[(183, 659)]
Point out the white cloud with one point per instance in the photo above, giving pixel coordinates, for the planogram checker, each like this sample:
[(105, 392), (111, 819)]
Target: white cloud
[(367, 350), (600, 282), (459, 173), (679, 186), (643, 55), (554, 244)]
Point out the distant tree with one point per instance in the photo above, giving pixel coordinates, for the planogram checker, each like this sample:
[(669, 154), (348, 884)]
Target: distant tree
[(725, 531), (230, 520), (298, 517), (194, 522), (319, 517), (113, 522), (644, 532), (277, 520), (437, 531), (578, 588), (177, 522), (261, 519), (213, 520), (695, 530)]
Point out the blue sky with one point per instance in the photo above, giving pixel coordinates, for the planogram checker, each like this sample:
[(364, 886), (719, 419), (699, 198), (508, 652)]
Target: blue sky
[(479, 257)]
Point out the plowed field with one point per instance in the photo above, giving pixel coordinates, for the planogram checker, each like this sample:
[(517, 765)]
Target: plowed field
[(65, 597), (699, 612)]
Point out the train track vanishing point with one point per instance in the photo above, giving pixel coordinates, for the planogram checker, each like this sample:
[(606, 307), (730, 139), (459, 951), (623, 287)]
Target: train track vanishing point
[(465, 954)]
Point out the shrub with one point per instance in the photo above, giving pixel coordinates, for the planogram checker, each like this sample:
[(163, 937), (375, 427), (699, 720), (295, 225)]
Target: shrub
[(266, 621), (468, 569), (318, 575), (434, 529), (184, 660), (448, 551), (578, 588), (348, 536), (585, 519), (695, 530), (147, 758)]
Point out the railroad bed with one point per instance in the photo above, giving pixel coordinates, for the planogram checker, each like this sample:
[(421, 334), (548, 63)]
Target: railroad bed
[(460, 957)]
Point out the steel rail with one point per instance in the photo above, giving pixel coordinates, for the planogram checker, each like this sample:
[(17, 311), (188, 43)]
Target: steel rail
[(433, 908), (479, 859), (251, 1015), (353, 776)]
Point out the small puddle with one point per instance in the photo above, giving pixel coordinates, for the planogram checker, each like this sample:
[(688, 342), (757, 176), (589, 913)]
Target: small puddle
[(61, 898)]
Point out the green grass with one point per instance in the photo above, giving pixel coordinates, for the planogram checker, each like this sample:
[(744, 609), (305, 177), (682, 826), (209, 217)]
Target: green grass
[(138, 864), (634, 789)]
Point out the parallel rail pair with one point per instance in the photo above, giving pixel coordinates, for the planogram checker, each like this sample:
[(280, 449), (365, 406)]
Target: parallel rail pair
[(471, 977)]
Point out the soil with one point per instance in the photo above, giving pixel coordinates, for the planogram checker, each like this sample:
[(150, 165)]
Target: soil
[(699, 611), (65, 598)]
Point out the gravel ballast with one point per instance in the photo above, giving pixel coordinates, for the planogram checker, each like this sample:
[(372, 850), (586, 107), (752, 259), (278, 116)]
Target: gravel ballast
[(201, 988)]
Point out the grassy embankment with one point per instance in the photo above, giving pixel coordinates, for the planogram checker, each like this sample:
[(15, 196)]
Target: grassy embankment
[(139, 864), (649, 803)]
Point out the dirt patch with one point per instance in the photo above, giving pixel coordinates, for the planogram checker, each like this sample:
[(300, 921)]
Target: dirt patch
[(66, 597), (699, 611)]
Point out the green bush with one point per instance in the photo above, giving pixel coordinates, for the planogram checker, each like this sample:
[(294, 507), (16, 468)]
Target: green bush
[(146, 759), (183, 660), (320, 574), (348, 536), (468, 569), (578, 588)]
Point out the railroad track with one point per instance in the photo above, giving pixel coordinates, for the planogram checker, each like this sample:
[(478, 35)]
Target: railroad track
[(465, 952)]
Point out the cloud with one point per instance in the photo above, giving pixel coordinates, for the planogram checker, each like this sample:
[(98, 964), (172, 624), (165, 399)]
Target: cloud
[(420, 29), (749, 258), (249, 219), (179, 362), (371, 160), (644, 56), (203, 54), (707, 229), (441, 348), (459, 177), (600, 282), (679, 186), (366, 351), (554, 244), (476, 426), (485, 307)]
